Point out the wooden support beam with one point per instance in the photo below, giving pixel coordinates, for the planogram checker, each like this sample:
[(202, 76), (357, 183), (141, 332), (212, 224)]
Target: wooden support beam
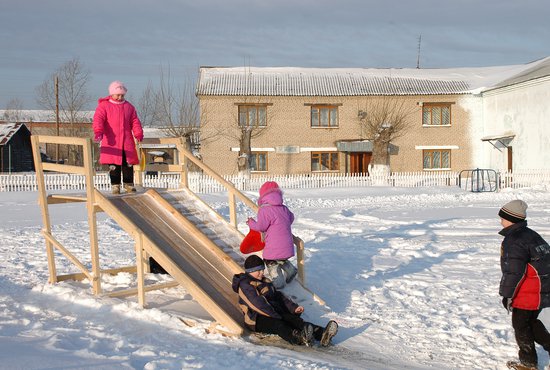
[(140, 271), (232, 208), (92, 219), (78, 276), (71, 257), (61, 140), (66, 198), (214, 328), (64, 168), (147, 288), (300, 259), (42, 200)]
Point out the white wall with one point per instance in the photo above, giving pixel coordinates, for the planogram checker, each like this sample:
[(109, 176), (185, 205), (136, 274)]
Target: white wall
[(524, 110), (473, 105)]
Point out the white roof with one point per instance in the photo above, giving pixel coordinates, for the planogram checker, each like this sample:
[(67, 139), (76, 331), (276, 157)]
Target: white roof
[(7, 130), (294, 81), (37, 115)]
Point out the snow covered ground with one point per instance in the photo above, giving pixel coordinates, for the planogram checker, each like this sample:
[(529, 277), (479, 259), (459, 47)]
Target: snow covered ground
[(411, 275)]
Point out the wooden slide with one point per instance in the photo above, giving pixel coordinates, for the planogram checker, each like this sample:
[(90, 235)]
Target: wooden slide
[(189, 241), (196, 245)]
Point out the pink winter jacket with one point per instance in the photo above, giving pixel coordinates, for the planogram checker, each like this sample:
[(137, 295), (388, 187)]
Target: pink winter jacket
[(118, 124), (275, 219)]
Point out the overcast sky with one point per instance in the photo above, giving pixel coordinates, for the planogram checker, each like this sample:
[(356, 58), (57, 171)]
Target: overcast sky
[(131, 40)]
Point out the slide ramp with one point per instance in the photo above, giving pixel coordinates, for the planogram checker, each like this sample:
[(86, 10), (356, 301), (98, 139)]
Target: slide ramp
[(228, 239), (177, 243)]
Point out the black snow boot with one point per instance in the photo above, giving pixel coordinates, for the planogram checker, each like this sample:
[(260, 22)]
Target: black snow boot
[(304, 336), (307, 334)]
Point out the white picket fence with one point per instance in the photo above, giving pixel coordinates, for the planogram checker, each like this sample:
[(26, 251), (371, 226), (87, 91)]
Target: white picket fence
[(204, 184)]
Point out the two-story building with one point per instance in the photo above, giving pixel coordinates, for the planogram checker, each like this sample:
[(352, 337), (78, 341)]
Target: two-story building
[(309, 119)]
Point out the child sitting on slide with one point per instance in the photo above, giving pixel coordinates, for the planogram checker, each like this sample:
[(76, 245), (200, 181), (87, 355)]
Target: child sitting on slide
[(267, 310), (275, 220)]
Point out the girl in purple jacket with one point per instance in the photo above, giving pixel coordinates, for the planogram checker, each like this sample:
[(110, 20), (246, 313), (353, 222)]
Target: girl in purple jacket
[(275, 220)]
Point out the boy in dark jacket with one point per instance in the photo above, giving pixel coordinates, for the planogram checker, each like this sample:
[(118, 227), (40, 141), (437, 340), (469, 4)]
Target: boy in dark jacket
[(267, 310), (525, 283)]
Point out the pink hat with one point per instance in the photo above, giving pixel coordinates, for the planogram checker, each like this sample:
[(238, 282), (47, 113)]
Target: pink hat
[(117, 87), (269, 187)]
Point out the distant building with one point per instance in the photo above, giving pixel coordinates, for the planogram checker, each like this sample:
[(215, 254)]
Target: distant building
[(516, 120), (37, 115), (308, 118), (15, 148)]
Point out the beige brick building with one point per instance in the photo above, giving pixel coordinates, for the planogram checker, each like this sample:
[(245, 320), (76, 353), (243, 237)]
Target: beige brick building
[(308, 120)]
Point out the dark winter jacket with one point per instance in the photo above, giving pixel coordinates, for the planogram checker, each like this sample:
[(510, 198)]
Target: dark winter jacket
[(525, 265), (259, 297)]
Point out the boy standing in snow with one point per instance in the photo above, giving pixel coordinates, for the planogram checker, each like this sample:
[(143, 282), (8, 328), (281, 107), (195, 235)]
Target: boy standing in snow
[(267, 310), (525, 283), (275, 220)]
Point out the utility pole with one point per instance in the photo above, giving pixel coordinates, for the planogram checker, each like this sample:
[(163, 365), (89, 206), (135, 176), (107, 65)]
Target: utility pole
[(56, 117), (418, 54)]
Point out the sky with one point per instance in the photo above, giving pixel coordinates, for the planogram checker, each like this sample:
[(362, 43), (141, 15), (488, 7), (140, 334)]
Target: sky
[(132, 40), (411, 275)]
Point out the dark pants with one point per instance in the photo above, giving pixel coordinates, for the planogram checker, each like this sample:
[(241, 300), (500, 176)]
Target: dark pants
[(528, 330), (127, 171), (288, 328)]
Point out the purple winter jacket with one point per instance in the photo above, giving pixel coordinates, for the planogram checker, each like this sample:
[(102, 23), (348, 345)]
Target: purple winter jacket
[(274, 219)]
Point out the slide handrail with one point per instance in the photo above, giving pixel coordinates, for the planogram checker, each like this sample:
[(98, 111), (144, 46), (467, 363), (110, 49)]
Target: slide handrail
[(184, 156)]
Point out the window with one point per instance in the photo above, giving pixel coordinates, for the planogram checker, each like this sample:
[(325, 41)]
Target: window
[(324, 161), (437, 159), (324, 116), (252, 115), (258, 161), (436, 114)]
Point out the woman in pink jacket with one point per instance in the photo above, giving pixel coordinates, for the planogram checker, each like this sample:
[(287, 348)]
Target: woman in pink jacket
[(275, 220), (116, 124)]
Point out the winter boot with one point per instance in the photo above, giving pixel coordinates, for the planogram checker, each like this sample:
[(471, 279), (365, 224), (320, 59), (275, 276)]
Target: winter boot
[(517, 365), (129, 188), (115, 189), (330, 331), (306, 335)]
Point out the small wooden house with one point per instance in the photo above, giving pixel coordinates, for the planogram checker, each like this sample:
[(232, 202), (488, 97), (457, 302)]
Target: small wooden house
[(15, 148)]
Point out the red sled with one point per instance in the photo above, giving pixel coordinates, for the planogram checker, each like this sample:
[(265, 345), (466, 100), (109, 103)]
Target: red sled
[(252, 242)]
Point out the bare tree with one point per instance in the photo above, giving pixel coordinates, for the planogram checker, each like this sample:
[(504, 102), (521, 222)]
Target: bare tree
[(382, 120), (146, 106), (14, 111), (72, 97), (73, 79), (251, 121), (176, 109)]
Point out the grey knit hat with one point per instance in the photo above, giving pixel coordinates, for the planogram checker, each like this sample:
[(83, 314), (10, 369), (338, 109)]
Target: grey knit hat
[(514, 211)]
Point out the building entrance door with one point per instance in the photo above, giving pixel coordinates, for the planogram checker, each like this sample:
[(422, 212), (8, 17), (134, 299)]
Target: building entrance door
[(359, 162)]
